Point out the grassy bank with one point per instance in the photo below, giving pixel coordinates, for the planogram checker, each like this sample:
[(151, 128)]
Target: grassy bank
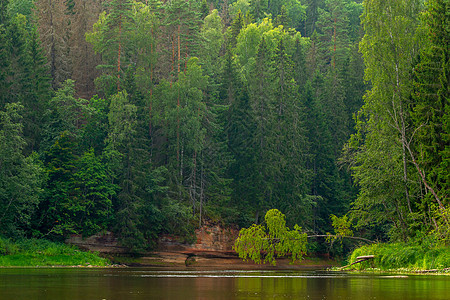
[(402, 257), (38, 252)]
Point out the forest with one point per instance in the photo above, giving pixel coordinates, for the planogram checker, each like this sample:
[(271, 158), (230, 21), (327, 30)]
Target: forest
[(153, 117)]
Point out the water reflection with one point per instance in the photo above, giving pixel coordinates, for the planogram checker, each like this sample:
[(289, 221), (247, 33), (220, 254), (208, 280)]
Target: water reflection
[(213, 284)]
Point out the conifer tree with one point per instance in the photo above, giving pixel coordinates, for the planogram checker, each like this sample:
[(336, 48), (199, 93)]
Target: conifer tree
[(289, 140), (137, 217), (432, 96), (93, 191), (241, 133), (312, 16), (261, 90), (40, 87), (236, 26), (384, 134), (84, 60), (58, 211), (4, 11), (111, 38), (21, 177), (54, 32), (25, 76)]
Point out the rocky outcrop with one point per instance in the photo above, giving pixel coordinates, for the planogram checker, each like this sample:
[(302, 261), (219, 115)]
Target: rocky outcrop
[(210, 238), (212, 248), (104, 242), (213, 243)]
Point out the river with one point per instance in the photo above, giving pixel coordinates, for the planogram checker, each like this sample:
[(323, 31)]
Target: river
[(208, 284)]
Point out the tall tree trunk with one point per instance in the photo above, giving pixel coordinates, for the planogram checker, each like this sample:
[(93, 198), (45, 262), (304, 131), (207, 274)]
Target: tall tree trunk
[(119, 53)]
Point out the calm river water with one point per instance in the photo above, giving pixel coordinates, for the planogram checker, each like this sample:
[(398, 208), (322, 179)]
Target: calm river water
[(130, 283)]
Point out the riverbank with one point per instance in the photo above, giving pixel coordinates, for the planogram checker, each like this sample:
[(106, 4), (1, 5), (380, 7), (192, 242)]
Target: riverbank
[(44, 253), (401, 258), (216, 259)]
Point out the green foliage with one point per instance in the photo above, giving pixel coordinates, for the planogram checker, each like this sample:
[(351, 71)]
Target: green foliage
[(408, 257), (21, 178), (387, 159), (59, 208), (342, 228), (432, 96), (65, 113), (263, 243), (178, 220), (24, 75), (40, 252), (93, 191), (204, 116)]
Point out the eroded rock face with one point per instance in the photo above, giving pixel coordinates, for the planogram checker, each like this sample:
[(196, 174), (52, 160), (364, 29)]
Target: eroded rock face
[(210, 237), (215, 238), (103, 242)]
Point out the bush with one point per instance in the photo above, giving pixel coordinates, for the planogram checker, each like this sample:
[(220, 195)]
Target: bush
[(402, 256), (7, 247), (40, 252)]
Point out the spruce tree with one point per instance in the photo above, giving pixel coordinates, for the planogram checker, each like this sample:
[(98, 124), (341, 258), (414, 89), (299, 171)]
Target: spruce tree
[(432, 96), (21, 177), (241, 133), (111, 38)]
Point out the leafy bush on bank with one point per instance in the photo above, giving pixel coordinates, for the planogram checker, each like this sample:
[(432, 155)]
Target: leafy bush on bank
[(40, 252), (402, 256)]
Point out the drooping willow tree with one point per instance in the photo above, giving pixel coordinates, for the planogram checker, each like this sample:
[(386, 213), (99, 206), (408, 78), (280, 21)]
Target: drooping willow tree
[(263, 243)]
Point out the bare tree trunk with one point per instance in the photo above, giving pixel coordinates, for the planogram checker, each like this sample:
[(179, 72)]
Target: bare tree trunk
[(202, 189), (118, 54), (179, 47)]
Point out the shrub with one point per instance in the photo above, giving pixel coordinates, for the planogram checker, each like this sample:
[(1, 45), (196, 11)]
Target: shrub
[(402, 256)]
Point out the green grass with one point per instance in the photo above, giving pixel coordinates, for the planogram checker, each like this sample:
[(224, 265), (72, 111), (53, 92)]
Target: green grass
[(399, 256), (39, 252)]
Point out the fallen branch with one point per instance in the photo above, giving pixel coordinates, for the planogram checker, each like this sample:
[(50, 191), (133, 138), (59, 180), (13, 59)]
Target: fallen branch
[(349, 237), (360, 259), (325, 236)]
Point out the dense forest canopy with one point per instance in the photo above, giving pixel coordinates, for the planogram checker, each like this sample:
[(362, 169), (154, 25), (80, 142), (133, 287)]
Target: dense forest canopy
[(150, 117)]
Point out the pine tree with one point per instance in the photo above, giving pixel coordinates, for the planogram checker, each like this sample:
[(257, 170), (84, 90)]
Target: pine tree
[(288, 137), (236, 26), (299, 60), (65, 114), (127, 205), (261, 90), (84, 60), (21, 177), (4, 67), (16, 33), (54, 32), (384, 132), (257, 8), (241, 133), (432, 97), (137, 217), (111, 38), (333, 40), (25, 76), (58, 211), (283, 18), (40, 87), (211, 45), (312, 16), (182, 25), (93, 190)]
